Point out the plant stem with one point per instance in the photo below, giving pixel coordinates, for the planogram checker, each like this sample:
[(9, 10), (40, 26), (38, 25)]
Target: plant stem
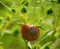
[(34, 7), (5, 6), (6, 25), (55, 20)]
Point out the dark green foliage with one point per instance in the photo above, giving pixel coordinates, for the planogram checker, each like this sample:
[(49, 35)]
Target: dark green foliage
[(46, 47), (8, 18), (25, 3), (41, 27), (23, 10), (53, 1), (58, 1), (29, 47), (13, 10), (1, 6), (16, 32), (49, 12), (0, 20)]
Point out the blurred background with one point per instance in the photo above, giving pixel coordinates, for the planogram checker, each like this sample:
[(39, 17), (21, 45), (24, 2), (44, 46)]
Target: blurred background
[(14, 13)]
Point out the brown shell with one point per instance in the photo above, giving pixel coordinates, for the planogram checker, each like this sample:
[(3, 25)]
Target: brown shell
[(30, 33)]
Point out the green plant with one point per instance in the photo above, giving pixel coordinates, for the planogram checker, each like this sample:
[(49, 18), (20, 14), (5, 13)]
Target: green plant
[(44, 15)]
